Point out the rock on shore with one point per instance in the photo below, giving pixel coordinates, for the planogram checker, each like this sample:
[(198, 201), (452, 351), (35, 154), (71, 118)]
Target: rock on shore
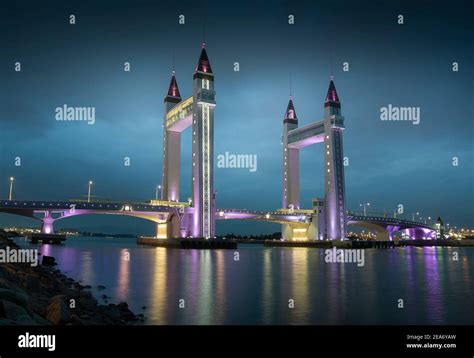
[(42, 295)]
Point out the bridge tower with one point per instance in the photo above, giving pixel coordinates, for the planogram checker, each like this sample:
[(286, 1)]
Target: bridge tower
[(291, 162), (171, 147), (335, 202), (203, 220), (291, 169)]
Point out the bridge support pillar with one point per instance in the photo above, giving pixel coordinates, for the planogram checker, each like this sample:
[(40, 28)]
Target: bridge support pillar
[(47, 225), (390, 235), (313, 232), (286, 232), (170, 229), (390, 230), (162, 230), (296, 232), (183, 226), (176, 226), (416, 234), (420, 234)]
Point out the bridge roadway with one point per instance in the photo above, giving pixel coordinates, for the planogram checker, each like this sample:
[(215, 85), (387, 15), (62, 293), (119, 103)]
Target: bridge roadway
[(161, 211)]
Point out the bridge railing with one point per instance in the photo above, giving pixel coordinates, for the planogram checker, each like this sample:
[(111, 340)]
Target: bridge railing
[(107, 201), (295, 211), (277, 212), (397, 217), (149, 202), (371, 213)]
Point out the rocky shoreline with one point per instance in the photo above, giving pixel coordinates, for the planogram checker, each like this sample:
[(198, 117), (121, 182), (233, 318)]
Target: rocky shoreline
[(42, 295)]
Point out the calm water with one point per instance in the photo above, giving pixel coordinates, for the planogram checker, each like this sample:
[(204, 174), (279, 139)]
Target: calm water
[(257, 288)]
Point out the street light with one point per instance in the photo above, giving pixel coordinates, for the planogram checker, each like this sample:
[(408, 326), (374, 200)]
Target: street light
[(12, 179), (365, 210), (89, 191)]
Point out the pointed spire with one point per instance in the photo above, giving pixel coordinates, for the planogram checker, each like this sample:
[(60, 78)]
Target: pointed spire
[(332, 93), (290, 110), (203, 64), (173, 90)]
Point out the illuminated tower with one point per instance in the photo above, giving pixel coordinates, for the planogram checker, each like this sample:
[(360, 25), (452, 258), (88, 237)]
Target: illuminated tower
[(203, 221), (291, 162), (171, 147), (335, 203), (439, 229)]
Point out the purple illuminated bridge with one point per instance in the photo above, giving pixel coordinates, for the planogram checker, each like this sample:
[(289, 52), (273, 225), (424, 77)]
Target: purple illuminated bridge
[(48, 212)]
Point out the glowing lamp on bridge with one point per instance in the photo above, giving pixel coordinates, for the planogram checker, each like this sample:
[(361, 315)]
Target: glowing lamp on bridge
[(127, 208), (221, 213), (267, 216)]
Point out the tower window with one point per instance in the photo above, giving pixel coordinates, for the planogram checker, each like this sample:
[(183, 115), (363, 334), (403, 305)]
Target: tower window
[(205, 84)]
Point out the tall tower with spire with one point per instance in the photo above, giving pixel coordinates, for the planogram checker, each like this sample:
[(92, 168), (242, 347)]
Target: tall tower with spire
[(171, 146), (291, 161), (335, 203), (203, 221)]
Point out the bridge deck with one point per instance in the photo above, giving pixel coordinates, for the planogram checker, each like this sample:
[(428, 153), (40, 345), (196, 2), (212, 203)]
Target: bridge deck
[(278, 216), (40, 205)]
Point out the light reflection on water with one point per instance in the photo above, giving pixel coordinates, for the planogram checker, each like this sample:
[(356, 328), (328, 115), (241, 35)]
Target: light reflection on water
[(256, 289)]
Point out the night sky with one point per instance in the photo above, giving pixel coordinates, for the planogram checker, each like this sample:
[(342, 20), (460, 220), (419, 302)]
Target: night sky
[(390, 163)]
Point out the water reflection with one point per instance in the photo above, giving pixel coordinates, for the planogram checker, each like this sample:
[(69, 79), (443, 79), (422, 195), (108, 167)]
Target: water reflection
[(88, 269), (124, 274), (433, 292), (299, 285), (218, 290), (333, 299), (220, 281), (158, 286), (205, 294), (267, 286)]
